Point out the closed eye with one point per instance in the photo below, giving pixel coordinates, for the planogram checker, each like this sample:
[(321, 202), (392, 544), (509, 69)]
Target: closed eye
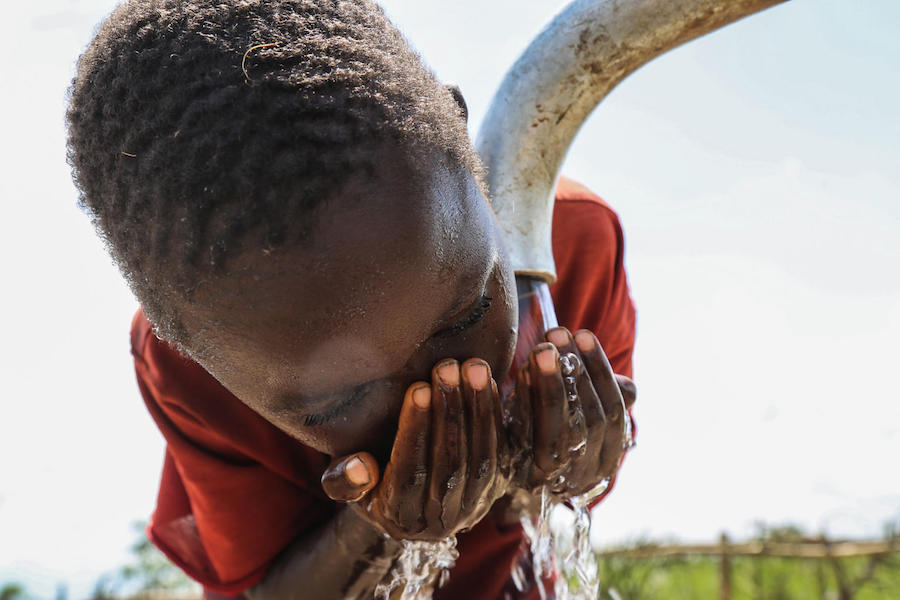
[(481, 309), (335, 410)]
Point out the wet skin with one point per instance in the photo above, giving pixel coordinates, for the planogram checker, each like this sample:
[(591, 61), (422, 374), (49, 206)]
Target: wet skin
[(360, 342), (323, 340)]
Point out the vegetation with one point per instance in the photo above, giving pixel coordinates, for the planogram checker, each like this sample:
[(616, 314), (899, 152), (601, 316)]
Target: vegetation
[(639, 571), (633, 572), (150, 574), (12, 591)]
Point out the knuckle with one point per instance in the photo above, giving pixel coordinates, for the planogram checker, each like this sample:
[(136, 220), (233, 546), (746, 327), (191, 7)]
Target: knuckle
[(482, 470), (416, 478), (614, 414)]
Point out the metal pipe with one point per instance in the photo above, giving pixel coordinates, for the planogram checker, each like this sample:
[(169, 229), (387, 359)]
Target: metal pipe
[(578, 58)]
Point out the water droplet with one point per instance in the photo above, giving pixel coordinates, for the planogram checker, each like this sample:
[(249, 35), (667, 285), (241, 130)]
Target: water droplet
[(628, 443), (567, 364), (518, 577)]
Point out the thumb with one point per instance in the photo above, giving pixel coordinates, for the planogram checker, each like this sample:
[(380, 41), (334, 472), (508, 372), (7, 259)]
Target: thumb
[(628, 389), (349, 478)]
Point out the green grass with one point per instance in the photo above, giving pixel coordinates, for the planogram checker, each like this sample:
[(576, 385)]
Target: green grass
[(752, 578)]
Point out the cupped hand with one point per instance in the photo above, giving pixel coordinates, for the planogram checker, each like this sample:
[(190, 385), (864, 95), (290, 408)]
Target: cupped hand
[(568, 418), (446, 467)]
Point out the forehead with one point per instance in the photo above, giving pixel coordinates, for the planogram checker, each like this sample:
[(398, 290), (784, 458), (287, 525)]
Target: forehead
[(385, 262), (395, 233)]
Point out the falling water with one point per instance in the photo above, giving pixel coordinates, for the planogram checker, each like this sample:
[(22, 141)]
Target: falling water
[(576, 570), (420, 566), (577, 576)]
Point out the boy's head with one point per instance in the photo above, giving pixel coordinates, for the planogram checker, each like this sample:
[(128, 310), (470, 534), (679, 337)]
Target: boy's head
[(293, 198)]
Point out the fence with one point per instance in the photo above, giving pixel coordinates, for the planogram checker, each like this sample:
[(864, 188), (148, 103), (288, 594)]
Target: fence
[(831, 552)]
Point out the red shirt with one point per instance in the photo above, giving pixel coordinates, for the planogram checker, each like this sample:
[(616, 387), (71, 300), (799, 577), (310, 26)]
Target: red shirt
[(236, 490)]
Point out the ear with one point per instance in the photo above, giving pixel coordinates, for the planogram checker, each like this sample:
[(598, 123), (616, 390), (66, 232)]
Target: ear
[(457, 95)]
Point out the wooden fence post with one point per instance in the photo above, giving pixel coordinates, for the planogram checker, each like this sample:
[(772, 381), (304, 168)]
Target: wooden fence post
[(725, 590)]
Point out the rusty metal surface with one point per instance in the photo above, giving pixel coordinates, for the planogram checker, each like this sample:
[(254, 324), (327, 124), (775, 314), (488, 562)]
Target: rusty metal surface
[(578, 58)]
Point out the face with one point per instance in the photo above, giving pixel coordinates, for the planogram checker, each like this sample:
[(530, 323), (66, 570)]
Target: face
[(323, 340)]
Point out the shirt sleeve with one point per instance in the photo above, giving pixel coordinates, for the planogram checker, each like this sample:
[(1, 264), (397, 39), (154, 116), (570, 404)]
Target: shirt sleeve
[(592, 291), (235, 490)]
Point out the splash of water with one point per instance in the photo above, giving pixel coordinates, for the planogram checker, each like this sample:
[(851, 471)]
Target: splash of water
[(576, 569), (541, 540), (420, 566)]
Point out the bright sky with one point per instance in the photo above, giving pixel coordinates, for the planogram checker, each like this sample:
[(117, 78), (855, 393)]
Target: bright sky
[(755, 172)]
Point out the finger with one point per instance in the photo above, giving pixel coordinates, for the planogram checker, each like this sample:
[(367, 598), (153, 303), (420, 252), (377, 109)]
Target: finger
[(482, 459), (406, 475), (448, 448), (592, 415), (613, 403), (519, 420), (605, 382), (548, 404), (504, 452), (588, 464), (562, 339), (587, 420), (504, 446), (349, 478), (628, 389), (519, 429)]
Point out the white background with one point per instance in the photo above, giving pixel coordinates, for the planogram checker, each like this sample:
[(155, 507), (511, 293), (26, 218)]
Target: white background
[(755, 172)]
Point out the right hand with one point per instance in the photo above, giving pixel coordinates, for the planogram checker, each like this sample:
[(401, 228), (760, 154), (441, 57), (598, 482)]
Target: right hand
[(572, 436), (447, 466)]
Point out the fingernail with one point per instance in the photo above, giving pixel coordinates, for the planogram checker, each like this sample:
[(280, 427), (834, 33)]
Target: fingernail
[(356, 472), (584, 340), (547, 361), (477, 375), (448, 373), (558, 337), (422, 397)]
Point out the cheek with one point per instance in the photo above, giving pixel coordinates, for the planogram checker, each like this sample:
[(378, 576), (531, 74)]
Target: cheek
[(502, 323), (369, 425), (503, 335)]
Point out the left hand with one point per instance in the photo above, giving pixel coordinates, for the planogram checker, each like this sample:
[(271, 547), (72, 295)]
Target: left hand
[(447, 465), (568, 431)]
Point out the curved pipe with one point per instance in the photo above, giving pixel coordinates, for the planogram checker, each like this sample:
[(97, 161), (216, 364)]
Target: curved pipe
[(548, 93)]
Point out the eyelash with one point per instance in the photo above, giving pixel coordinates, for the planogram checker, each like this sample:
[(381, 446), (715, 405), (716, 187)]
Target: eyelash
[(476, 315), (317, 419)]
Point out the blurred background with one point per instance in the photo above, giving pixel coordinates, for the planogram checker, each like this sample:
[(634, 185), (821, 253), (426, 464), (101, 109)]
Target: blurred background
[(757, 175)]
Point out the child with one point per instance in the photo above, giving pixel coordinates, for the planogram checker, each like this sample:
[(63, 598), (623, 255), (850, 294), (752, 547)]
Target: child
[(293, 198)]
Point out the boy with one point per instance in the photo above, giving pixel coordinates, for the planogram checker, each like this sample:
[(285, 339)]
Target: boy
[(293, 198)]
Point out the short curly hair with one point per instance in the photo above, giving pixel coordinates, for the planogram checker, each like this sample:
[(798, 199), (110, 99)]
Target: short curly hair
[(198, 126)]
